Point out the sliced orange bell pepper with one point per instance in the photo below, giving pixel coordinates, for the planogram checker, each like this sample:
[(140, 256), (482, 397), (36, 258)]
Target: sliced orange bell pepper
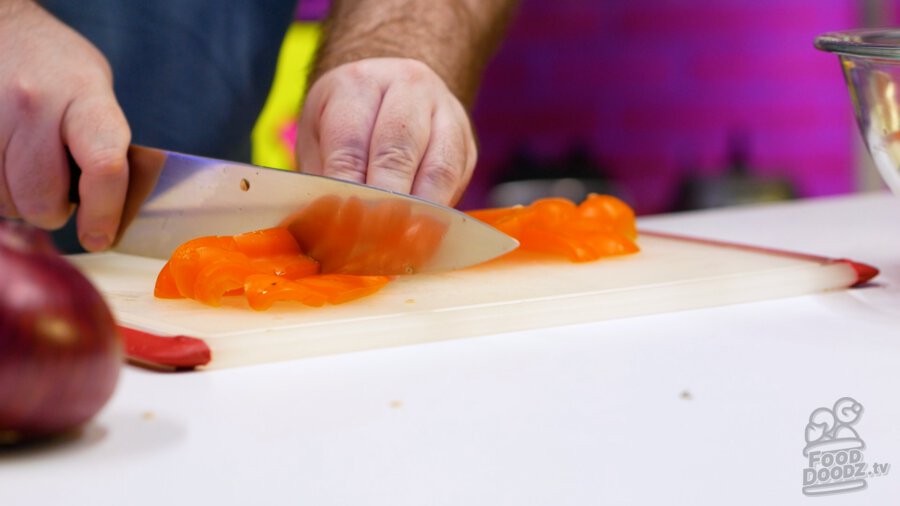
[(263, 290), (266, 266), (165, 285), (609, 209), (222, 276), (269, 242), (598, 227), (341, 288), (287, 266)]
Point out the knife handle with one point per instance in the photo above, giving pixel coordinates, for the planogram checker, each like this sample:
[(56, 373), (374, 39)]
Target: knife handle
[(74, 178)]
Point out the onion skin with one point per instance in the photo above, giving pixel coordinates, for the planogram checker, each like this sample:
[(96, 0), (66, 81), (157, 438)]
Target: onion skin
[(60, 352)]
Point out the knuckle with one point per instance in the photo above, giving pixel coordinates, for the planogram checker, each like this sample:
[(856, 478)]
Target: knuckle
[(347, 163), (106, 163), (103, 65), (355, 74), (357, 70), (38, 199), (415, 71), (441, 174), (398, 158), (24, 95)]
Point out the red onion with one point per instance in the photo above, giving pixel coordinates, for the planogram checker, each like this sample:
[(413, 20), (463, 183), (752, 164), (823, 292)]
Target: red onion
[(60, 353)]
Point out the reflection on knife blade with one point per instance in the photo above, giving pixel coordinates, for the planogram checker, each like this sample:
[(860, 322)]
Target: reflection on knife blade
[(355, 237), (348, 227)]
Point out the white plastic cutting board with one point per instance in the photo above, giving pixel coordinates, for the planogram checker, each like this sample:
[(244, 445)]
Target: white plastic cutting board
[(668, 274)]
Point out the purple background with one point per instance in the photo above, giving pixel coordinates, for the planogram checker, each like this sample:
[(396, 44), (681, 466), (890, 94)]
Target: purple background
[(312, 10)]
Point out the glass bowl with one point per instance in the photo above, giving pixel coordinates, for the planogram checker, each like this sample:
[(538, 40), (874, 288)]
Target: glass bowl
[(870, 60)]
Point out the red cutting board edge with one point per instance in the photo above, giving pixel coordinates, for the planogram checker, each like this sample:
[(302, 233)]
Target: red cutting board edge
[(671, 273)]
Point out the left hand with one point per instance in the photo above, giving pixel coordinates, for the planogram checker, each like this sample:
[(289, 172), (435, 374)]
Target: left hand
[(391, 123)]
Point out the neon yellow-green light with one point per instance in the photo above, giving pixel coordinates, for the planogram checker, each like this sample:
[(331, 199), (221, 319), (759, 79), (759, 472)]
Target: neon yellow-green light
[(271, 144)]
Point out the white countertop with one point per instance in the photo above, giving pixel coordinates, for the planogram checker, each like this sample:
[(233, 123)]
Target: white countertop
[(698, 407)]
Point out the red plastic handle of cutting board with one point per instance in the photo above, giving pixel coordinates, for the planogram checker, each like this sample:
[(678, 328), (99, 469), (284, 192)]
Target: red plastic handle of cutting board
[(174, 352)]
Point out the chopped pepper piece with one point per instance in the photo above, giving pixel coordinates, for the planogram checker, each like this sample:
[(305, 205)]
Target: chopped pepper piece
[(600, 226)]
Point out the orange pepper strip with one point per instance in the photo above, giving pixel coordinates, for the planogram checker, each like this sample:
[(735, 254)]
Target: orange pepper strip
[(165, 285), (187, 266), (552, 212), (220, 277), (337, 247), (610, 244), (263, 290), (543, 241), (385, 225), (341, 288), (266, 266), (224, 242), (600, 226), (421, 238), (515, 222), (334, 223), (609, 209), (267, 242), (288, 266), (316, 219), (184, 263)]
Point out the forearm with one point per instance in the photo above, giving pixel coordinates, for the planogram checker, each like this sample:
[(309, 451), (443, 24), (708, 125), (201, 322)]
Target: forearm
[(453, 37)]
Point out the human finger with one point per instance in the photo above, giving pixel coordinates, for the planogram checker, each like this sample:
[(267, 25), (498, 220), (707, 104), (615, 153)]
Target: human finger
[(399, 138), (343, 128), (450, 158), (97, 134), (34, 165)]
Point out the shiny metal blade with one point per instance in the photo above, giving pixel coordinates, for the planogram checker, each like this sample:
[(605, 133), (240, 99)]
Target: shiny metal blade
[(348, 227)]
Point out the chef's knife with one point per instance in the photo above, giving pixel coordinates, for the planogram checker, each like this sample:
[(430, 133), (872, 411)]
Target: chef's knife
[(348, 227)]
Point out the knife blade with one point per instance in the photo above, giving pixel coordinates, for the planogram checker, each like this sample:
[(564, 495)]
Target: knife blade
[(348, 227)]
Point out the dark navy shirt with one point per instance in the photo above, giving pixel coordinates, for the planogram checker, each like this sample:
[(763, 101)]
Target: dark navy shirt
[(190, 75)]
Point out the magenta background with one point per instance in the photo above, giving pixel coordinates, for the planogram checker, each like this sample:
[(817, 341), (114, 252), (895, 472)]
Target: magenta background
[(656, 87), (312, 10)]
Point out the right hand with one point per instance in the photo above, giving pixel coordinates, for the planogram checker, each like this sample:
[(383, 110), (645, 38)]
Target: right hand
[(56, 93)]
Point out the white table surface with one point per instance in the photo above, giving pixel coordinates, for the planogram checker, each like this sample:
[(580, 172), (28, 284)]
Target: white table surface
[(698, 407)]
